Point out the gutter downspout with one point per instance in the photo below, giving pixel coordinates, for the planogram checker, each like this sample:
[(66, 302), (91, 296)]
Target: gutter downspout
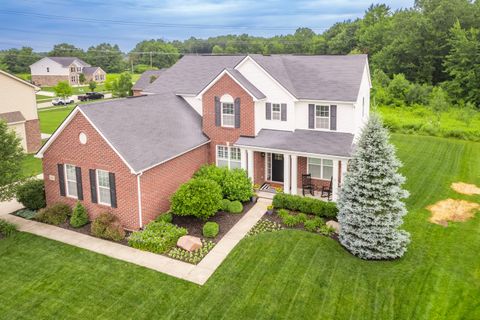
[(139, 195)]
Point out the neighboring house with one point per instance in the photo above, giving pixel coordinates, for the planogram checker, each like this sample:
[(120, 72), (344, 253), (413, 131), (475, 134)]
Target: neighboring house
[(50, 70), (145, 79), (277, 117), (18, 107)]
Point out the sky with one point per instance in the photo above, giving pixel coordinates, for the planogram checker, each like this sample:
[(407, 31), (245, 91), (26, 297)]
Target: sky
[(41, 24)]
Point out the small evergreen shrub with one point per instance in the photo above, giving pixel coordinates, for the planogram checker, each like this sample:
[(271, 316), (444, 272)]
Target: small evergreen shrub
[(6, 228), (305, 204), (32, 194), (26, 214), (55, 214), (225, 205), (198, 197), (210, 229), (237, 186), (235, 207), (158, 237), (212, 172), (107, 226), (165, 217), (312, 225), (79, 216)]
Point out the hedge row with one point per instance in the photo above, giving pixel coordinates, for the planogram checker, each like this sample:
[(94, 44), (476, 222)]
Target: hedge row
[(305, 205)]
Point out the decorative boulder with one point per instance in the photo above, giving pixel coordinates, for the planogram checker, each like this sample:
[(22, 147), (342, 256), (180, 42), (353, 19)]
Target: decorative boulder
[(334, 225), (189, 243)]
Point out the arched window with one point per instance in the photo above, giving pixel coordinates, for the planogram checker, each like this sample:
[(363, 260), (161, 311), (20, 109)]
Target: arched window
[(228, 115)]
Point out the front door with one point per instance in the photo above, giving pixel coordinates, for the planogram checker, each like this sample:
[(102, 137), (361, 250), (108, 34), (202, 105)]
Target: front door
[(277, 167)]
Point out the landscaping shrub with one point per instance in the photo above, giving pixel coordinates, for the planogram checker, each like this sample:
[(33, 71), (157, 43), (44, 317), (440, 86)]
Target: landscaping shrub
[(55, 214), (7, 228), (210, 229), (165, 217), (79, 216), (32, 194), (237, 186), (235, 207), (26, 214), (107, 226), (283, 213), (225, 205), (326, 230), (199, 197), (212, 172), (314, 224), (290, 220), (158, 237), (305, 204)]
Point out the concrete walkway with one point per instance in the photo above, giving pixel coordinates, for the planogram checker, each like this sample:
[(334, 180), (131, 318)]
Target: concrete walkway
[(198, 274)]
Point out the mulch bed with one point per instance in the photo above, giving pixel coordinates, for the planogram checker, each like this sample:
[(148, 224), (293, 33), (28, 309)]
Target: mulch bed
[(225, 222)]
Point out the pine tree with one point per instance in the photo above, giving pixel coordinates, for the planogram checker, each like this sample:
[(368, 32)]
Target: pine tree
[(370, 203)]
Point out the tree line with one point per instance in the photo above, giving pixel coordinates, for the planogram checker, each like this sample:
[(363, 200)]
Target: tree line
[(435, 42)]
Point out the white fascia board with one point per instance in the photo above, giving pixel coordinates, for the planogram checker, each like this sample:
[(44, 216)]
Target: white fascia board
[(326, 101), (298, 153), (268, 75)]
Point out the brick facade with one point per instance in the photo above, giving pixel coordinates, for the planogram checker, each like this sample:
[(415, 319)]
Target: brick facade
[(259, 168), (222, 135), (33, 135), (44, 80)]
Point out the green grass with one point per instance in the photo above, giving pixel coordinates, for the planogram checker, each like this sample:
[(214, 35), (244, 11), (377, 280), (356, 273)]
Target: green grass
[(421, 120), (79, 90), (42, 98), (50, 119), (288, 274), (32, 166)]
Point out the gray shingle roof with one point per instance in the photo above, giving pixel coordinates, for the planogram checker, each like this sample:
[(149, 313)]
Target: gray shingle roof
[(66, 61), (246, 84), (144, 79), (12, 117), (147, 130), (90, 70), (308, 141)]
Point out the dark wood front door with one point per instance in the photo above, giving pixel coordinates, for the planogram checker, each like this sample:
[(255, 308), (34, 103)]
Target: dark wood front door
[(277, 167)]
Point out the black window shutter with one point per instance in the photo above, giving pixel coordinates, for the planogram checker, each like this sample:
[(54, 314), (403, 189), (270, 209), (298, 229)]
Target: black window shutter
[(311, 116), (218, 112), (61, 179), (268, 111), (333, 117), (78, 174), (93, 185), (283, 109), (236, 108), (113, 190)]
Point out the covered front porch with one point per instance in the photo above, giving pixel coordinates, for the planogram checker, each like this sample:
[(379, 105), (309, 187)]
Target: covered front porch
[(281, 158)]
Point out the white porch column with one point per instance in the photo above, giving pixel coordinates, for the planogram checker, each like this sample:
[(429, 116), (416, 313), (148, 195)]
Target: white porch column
[(335, 180), (250, 164), (243, 159), (286, 173), (294, 174)]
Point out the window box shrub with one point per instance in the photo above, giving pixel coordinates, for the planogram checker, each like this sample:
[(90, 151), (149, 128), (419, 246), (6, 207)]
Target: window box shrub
[(235, 207), (237, 186), (210, 229), (107, 226), (32, 194), (158, 237), (199, 197), (6, 228), (79, 216), (305, 204), (56, 214)]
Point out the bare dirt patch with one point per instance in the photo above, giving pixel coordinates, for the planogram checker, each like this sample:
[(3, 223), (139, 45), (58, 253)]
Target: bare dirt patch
[(465, 188), (452, 210)]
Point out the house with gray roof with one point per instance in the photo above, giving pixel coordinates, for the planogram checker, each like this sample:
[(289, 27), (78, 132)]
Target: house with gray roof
[(49, 71), (145, 79), (289, 121)]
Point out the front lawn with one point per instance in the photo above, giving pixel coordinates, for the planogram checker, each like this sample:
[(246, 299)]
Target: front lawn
[(31, 166), (50, 119), (283, 274)]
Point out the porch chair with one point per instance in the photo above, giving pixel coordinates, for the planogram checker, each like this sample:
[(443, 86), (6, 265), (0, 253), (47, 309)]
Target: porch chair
[(327, 190), (307, 184)]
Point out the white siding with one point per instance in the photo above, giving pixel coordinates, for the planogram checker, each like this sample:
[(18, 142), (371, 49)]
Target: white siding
[(364, 92), (345, 115), (195, 103), (39, 68)]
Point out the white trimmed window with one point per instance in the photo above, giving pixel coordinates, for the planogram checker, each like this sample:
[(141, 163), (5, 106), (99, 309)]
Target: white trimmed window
[(228, 117), (276, 111), (71, 181), (322, 117), (229, 157), (320, 168), (103, 187)]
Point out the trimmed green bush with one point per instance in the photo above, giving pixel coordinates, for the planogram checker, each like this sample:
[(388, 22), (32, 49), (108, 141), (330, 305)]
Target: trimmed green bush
[(158, 237), (225, 205), (165, 217), (305, 204), (198, 197), (32, 194), (6, 228), (210, 229), (56, 214), (235, 207), (237, 186), (212, 172), (283, 213), (290, 220), (314, 224), (79, 216), (107, 226)]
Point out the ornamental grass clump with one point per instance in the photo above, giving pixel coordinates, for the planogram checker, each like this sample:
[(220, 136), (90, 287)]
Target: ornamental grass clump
[(370, 204)]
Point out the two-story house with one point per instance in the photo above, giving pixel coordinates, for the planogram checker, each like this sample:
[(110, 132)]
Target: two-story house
[(50, 70), (277, 117)]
